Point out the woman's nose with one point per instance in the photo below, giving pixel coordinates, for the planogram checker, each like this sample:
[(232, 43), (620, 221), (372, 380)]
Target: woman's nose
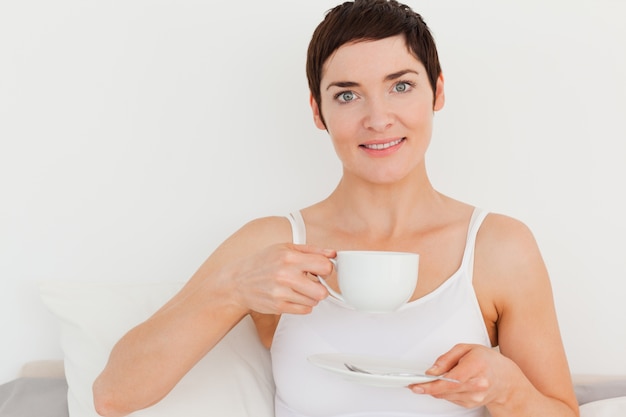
[(379, 115)]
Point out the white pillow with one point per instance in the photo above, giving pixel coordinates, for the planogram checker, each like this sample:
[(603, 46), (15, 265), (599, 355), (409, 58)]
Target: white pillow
[(610, 407), (233, 380)]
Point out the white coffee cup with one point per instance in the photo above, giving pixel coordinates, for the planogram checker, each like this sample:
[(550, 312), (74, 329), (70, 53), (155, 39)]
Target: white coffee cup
[(374, 281)]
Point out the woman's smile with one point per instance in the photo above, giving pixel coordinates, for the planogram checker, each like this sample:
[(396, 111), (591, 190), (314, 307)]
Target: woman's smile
[(382, 147)]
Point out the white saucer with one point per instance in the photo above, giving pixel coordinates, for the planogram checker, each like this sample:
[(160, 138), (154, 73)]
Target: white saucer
[(335, 362)]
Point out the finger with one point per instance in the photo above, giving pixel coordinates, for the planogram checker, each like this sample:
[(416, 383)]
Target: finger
[(309, 288), (468, 394), (315, 250), (294, 284), (296, 309), (309, 297), (279, 300), (449, 360), (437, 386), (294, 264), (313, 260)]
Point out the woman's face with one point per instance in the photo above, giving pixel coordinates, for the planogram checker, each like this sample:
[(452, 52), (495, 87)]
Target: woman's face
[(377, 107)]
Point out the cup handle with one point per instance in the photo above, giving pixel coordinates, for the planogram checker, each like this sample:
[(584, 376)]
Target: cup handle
[(332, 292)]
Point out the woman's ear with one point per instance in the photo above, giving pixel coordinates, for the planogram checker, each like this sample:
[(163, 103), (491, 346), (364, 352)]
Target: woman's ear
[(440, 96), (317, 114)]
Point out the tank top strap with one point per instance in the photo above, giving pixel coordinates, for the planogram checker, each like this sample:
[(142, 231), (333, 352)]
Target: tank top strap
[(298, 229), (468, 255)]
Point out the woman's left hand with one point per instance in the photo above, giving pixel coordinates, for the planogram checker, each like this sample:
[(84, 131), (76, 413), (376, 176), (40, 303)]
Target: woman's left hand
[(485, 376)]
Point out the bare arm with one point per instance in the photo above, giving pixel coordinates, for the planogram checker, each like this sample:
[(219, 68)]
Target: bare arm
[(530, 375), (249, 272)]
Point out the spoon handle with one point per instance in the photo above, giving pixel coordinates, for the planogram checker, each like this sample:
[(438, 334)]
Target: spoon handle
[(354, 368)]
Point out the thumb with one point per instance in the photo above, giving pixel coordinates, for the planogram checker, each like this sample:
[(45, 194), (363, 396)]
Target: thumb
[(449, 360)]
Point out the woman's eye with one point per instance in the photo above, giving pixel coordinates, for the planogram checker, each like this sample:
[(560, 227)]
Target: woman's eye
[(402, 87), (346, 96)]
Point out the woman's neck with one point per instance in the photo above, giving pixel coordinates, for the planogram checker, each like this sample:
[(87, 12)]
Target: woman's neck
[(383, 209)]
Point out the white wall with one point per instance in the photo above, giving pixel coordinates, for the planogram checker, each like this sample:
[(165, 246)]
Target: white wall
[(136, 135)]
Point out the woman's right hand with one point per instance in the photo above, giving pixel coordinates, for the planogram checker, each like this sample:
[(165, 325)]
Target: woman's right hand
[(277, 279)]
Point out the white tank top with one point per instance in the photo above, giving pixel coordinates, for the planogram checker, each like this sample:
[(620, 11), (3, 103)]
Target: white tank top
[(420, 331)]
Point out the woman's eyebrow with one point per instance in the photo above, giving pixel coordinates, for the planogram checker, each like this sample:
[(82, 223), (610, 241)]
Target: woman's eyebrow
[(399, 74), (390, 77), (342, 84)]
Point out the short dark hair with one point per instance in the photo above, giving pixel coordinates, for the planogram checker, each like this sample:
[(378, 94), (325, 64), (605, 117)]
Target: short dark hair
[(362, 20)]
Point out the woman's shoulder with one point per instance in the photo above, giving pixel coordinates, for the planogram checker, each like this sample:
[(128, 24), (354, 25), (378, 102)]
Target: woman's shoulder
[(270, 229), (500, 233), (507, 256), (266, 223), (508, 266)]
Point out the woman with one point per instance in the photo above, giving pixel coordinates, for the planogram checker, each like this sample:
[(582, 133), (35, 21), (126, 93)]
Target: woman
[(375, 84)]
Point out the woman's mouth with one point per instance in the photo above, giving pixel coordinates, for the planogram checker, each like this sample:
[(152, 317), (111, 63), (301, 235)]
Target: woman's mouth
[(381, 146)]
